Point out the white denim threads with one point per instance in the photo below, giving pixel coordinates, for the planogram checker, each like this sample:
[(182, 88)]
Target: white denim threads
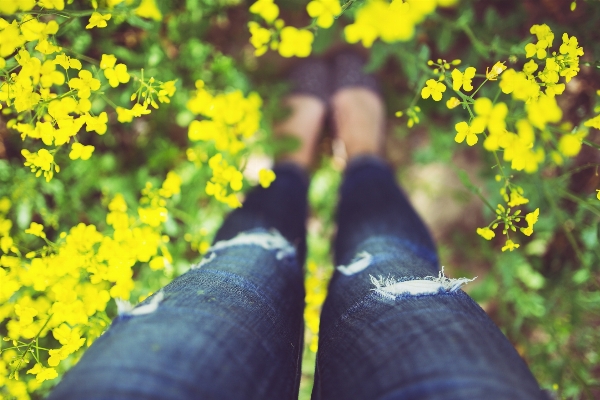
[(271, 240), (125, 308), (392, 288), (361, 261)]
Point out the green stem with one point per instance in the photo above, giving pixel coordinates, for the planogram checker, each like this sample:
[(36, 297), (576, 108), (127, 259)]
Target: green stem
[(29, 347), (591, 144), (581, 168), (579, 201), (480, 86)]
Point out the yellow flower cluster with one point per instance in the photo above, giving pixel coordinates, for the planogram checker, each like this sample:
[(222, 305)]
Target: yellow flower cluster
[(48, 107), (316, 290), (64, 288), (289, 41), (391, 21), (229, 121), (536, 89)]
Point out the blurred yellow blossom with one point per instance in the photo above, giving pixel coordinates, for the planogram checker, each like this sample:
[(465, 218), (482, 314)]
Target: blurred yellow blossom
[(36, 229), (489, 115), (42, 374), (531, 219), (510, 245), (98, 20), (486, 233), (265, 177), (267, 9), (295, 42), (260, 38), (570, 144), (148, 9), (324, 10)]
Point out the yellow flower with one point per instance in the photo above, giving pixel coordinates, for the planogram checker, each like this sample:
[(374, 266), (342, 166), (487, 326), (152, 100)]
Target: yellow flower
[(520, 85), (96, 124), (166, 91), (42, 374), (594, 122), (171, 185), (489, 115), (107, 61), (67, 62), (530, 67), (157, 263), (260, 38), (52, 4), (10, 35), (85, 84), (516, 199), (545, 38), (124, 115), (80, 151), (510, 245), (496, 70), (98, 20), (40, 162), (598, 194), (33, 29), (463, 80), (570, 144), (36, 229), (324, 11), (148, 9), (434, 89), (265, 177), (463, 130), (392, 22), (543, 110), (295, 42), (45, 47), (153, 216), (266, 9), (570, 46), (116, 75), (486, 233), (531, 219)]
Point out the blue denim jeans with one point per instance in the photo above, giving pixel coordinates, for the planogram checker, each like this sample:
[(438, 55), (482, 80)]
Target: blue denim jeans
[(392, 326)]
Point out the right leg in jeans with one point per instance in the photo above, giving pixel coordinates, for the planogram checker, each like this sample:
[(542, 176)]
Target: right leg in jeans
[(391, 327)]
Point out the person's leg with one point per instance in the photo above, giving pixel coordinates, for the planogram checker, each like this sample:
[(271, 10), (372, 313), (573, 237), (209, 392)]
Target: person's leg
[(391, 327), (232, 326)]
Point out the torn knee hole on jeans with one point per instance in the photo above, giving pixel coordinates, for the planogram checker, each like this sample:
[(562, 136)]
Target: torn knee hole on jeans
[(271, 240), (361, 261), (392, 288), (126, 309)]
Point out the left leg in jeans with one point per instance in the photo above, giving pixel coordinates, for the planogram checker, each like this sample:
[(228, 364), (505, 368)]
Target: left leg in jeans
[(230, 329)]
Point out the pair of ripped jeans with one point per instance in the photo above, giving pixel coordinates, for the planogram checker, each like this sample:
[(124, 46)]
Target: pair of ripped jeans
[(231, 327)]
